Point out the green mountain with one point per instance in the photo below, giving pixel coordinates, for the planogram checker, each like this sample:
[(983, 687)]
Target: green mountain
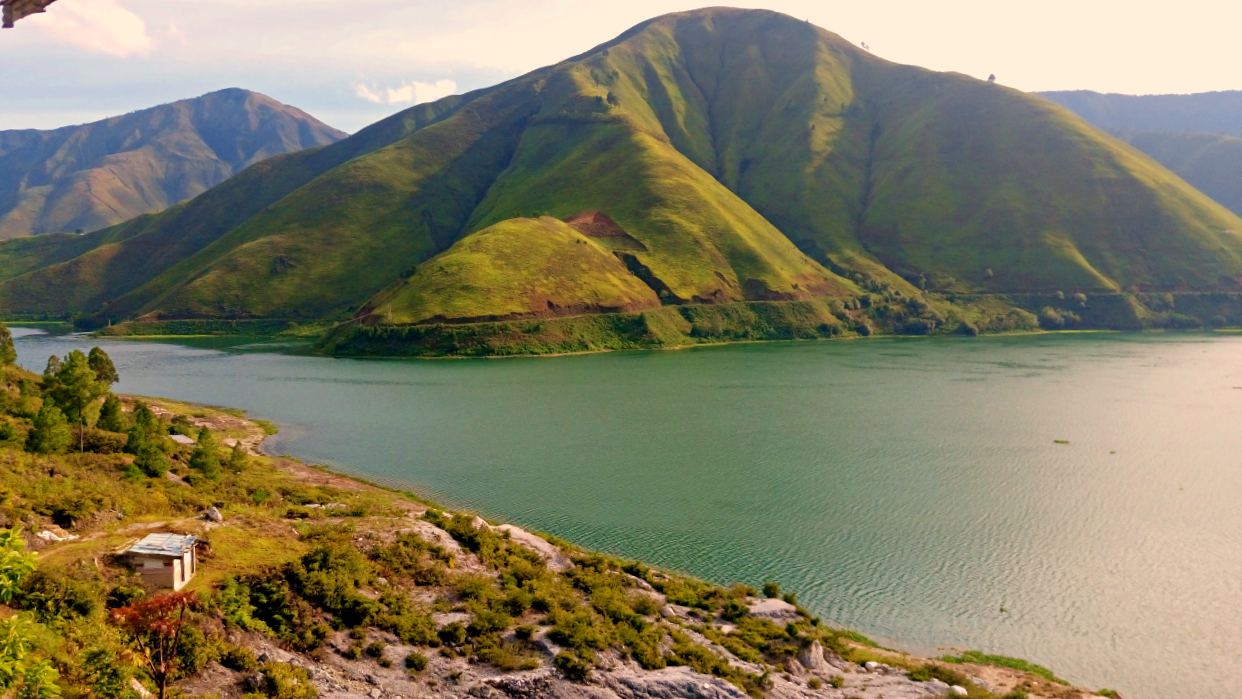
[(83, 178), (717, 174), (1197, 136)]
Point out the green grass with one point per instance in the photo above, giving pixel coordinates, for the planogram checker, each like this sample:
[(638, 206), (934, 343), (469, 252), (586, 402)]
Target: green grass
[(980, 658), (516, 268)]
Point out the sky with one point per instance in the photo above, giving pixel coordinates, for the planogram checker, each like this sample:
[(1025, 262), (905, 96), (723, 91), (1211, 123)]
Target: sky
[(353, 62)]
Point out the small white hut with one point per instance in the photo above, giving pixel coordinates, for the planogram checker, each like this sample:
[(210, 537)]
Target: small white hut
[(165, 560)]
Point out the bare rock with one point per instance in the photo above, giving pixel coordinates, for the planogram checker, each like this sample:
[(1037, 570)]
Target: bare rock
[(812, 658), (775, 609), (553, 557), (669, 683)]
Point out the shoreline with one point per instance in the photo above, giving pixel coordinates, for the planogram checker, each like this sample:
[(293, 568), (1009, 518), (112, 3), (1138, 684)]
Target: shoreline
[(889, 648)]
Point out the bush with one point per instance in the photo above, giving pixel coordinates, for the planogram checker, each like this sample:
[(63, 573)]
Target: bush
[(104, 442), (574, 667), (416, 662), (772, 589), (239, 659), (453, 634), (284, 681)]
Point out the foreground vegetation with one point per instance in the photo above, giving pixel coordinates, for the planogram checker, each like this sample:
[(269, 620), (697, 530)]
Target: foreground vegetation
[(304, 572)]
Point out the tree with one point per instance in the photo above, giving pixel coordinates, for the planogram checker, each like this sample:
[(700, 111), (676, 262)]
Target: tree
[(111, 415), (155, 628), (74, 387), (50, 434), (146, 442), (101, 364), (237, 458), (992, 78), (206, 456), (8, 352)]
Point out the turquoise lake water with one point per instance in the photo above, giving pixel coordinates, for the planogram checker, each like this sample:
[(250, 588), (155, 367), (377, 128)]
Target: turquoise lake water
[(910, 489)]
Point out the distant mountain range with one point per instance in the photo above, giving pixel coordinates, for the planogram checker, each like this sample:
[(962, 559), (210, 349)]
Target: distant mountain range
[(1197, 136), (83, 178), (710, 175)]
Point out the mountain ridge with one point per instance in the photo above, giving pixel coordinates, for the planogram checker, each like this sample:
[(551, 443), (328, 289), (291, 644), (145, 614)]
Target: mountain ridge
[(1198, 136), (89, 176), (749, 158)]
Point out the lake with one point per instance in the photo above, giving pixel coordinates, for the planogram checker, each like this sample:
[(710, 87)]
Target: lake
[(913, 489)]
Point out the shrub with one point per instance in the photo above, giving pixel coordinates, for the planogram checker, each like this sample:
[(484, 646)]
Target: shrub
[(574, 667), (508, 657), (284, 681), (100, 441), (453, 634), (239, 659), (772, 589), (416, 661)]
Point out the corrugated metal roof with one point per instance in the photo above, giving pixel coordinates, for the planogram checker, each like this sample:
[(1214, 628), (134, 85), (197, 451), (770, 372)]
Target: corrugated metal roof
[(164, 544)]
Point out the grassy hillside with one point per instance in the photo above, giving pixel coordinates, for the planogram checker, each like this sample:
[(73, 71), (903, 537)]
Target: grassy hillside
[(1210, 162), (739, 157), (82, 178), (516, 268), (1199, 136)]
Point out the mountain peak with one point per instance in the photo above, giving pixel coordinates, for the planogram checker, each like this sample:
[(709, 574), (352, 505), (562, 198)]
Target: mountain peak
[(81, 178)]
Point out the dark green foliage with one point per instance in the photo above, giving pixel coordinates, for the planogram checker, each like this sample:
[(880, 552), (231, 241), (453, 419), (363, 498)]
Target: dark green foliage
[(329, 576), (416, 662), (112, 416), (73, 386), (8, 352), (772, 589), (100, 441), (55, 596), (106, 674), (147, 441), (237, 458), (453, 634), (205, 459), (574, 666), (101, 364), (50, 432)]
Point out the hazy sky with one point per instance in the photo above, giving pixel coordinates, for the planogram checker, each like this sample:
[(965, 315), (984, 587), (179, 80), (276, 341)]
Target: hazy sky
[(351, 62)]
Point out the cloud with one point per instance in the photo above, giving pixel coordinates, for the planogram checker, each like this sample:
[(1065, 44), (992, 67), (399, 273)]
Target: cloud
[(414, 92), (98, 26)]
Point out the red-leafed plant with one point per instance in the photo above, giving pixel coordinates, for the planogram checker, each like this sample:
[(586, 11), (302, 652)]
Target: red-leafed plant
[(155, 629)]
